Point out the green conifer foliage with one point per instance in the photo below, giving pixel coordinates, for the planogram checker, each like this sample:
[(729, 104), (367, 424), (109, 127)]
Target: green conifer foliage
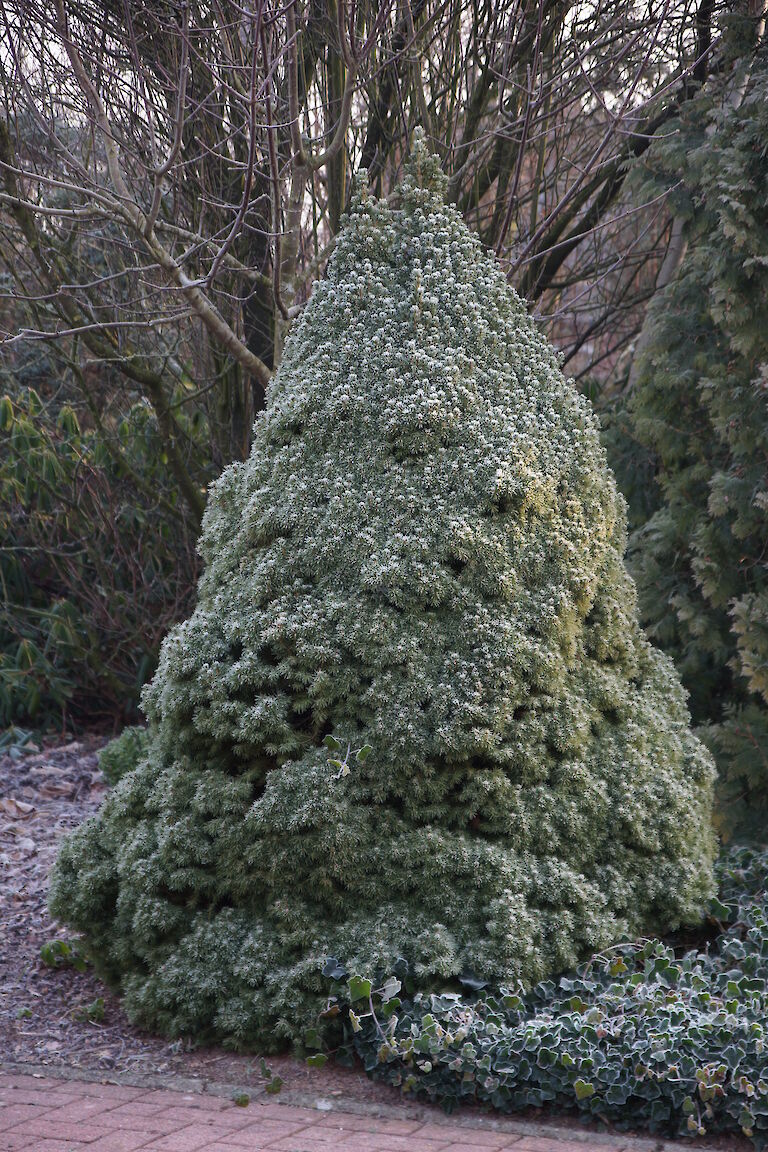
[(423, 554), (701, 406)]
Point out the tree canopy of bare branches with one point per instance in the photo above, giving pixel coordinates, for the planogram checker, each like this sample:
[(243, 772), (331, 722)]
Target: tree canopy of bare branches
[(173, 174)]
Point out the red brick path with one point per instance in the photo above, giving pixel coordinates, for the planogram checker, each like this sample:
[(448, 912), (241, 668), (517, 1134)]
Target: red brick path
[(52, 1115)]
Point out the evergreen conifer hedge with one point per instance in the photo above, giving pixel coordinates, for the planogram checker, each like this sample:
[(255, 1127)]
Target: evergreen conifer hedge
[(421, 562), (700, 405)]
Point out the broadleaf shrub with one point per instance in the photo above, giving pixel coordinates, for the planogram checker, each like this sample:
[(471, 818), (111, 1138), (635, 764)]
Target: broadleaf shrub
[(422, 560), (96, 560), (640, 1035)]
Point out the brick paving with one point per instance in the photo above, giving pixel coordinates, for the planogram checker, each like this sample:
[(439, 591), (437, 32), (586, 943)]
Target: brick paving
[(39, 1114)]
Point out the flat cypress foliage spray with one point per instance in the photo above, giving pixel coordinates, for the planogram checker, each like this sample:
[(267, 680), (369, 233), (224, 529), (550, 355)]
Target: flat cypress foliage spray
[(423, 555), (701, 405)]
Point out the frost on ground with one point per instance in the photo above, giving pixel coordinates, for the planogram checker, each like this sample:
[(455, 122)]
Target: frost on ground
[(54, 1017)]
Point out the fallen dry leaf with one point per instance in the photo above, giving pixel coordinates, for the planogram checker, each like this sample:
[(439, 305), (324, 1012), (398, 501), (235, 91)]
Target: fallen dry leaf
[(13, 829), (19, 809), (48, 770), (51, 789)]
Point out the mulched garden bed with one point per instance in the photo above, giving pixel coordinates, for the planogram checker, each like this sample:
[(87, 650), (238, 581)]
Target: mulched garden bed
[(44, 1012)]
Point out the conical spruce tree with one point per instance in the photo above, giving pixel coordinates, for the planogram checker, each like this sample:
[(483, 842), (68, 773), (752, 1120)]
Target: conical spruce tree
[(700, 404), (423, 555)]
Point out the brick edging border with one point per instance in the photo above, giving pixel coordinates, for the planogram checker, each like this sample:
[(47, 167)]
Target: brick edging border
[(203, 1086)]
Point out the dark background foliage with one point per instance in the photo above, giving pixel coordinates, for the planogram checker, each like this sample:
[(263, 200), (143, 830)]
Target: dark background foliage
[(690, 435)]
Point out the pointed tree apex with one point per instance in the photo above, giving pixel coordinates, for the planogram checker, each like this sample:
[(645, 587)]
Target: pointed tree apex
[(422, 170), (361, 192)]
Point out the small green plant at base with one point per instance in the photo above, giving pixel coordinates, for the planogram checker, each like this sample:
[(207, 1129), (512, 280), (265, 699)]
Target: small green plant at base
[(273, 1083), (241, 1099), (92, 1013), (63, 954)]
